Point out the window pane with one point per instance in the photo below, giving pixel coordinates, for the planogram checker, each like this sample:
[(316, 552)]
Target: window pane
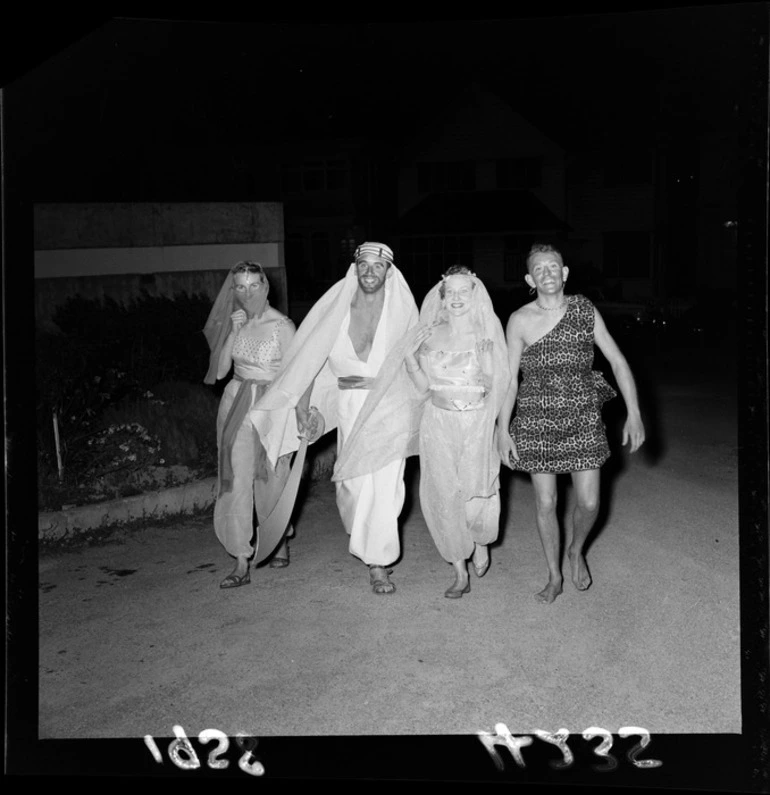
[(291, 179), (313, 177), (519, 173), (628, 169), (627, 254), (336, 180), (322, 265), (425, 177)]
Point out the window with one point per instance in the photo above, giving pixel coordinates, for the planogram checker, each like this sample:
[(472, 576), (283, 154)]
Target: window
[(626, 255), (291, 179), (320, 257), (424, 259), (311, 266), (630, 168), (298, 271), (440, 177), (520, 173), (515, 250), (315, 175), (336, 175)]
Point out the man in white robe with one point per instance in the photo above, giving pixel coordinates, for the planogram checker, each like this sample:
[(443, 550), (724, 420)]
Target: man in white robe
[(347, 359)]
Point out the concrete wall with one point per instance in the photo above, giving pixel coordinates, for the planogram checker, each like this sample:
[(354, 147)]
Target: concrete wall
[(115, 225), (58, 263), (121, 250)]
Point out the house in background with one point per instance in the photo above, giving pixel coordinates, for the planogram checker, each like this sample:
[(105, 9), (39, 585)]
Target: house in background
[(476, 186), (655, 223), (335, 194), (615, 242)]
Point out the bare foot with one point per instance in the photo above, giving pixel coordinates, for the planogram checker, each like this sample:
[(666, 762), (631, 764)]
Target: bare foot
[(549, 593), (580, 576)]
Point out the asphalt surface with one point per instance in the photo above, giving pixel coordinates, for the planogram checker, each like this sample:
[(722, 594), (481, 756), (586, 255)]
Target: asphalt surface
[(136, 636)]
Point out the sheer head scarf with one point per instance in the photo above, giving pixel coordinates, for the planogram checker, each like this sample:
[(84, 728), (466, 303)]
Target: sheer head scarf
[(219, 323), (372, 438), (486, 325)]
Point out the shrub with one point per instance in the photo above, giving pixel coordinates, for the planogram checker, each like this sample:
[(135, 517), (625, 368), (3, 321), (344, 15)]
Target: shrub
[(181, 415), (119, 448), (151, 338)]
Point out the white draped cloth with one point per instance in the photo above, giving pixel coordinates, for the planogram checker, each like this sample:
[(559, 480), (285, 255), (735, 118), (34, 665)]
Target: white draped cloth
[(377, 428)]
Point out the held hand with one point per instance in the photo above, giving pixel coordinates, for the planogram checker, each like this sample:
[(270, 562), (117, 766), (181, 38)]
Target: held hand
[(239, 319), (506, 447), (303, 421), (421, 334), (312, 425), (633, 433), (484, 347), (484, 354)]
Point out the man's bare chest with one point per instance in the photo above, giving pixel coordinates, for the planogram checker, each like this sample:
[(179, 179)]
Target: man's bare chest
[(362, 331)]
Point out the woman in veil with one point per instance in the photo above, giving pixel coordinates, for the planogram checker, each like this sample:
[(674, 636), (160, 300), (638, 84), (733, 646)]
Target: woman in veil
[(247, 334), (460, 359)]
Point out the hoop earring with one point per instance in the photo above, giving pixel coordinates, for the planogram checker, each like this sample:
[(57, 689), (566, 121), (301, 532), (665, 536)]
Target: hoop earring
[(532, 291)]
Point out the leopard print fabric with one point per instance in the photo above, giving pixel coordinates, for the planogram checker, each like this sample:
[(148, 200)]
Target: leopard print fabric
[(558, 425)]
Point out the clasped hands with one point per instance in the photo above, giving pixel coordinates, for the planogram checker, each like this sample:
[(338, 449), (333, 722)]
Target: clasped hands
[(308, 421)]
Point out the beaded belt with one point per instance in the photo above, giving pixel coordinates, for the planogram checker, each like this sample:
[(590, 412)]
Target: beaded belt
[(441, 399)]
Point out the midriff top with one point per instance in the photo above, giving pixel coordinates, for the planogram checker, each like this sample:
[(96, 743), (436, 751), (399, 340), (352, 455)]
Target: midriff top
[(257, 357), (455, 379)]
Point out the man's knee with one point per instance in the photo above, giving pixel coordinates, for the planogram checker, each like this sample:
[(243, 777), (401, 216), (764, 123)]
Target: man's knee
[(545, 503), (588, 503)]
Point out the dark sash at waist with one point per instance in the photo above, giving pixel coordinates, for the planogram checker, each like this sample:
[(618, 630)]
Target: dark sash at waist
[(355, 382), (238, 410)]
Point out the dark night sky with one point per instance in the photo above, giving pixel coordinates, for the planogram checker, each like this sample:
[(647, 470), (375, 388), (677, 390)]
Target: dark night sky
[(134, 84)]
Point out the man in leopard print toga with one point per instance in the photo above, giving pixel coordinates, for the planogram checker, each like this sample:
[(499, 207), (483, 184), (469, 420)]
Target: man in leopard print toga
[(558, 426)]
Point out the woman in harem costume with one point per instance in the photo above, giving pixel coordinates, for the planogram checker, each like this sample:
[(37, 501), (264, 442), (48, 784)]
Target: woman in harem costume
[(244, 332), (460, 359)]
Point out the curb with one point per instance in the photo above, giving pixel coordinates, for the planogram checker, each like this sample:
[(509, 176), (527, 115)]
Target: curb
[(187, 498)]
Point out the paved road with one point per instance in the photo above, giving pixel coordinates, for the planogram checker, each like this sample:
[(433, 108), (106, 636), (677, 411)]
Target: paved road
[(135, 635)]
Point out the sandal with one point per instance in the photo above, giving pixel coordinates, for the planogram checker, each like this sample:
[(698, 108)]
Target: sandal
[(454, 592), (280, 561), (234, 581), (380, 581), (482, 569)]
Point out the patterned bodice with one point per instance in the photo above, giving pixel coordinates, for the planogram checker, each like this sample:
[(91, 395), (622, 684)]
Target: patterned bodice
[(453, 369), (252, 352)]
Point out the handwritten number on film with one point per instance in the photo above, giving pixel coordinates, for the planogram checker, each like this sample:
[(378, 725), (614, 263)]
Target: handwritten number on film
[(182, 753), (503, 737)]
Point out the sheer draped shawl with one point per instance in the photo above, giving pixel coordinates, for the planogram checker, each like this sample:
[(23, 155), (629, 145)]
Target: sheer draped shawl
[(219, 325), (387, 427)]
